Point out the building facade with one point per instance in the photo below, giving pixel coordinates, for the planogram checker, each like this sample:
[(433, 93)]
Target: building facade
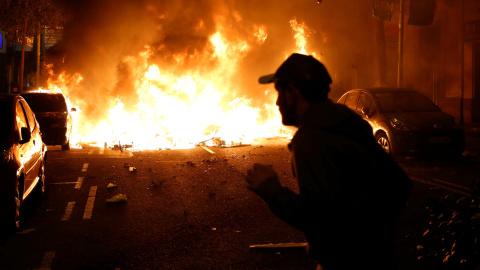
[(442, 58)]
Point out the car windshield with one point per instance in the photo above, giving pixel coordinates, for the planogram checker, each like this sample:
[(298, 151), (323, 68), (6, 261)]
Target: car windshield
[(46, 102), (5, 118), (405, 101)]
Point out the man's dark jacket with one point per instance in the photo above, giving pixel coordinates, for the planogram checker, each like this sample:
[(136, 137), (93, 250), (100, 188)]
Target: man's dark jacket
[(350, 191)]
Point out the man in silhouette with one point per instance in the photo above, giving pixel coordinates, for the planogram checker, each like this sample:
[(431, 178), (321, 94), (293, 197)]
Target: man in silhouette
[(350, 192)]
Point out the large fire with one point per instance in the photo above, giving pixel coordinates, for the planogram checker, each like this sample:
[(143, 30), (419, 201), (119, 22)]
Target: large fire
[(178, 107)]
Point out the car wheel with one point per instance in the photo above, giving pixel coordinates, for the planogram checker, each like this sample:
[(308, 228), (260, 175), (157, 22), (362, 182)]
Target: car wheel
[(384, 142), (66, 146)]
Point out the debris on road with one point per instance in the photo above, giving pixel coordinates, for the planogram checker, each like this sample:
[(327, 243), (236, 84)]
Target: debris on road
[(218, 142), (132, 169), (212, 159), (156, 183), (117, 199), (121, 147), (111, 185), (452, 235)]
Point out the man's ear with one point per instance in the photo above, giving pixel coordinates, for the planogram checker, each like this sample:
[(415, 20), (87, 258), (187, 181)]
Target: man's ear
[(293, 90), (291, 93), (297, 94)]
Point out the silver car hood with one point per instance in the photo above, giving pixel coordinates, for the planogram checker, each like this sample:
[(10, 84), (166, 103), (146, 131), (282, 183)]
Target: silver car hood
[(426, 120)]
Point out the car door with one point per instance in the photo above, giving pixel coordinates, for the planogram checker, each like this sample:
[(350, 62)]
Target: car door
[(28, 153), (367, 109), (365, 106), (36, 140)]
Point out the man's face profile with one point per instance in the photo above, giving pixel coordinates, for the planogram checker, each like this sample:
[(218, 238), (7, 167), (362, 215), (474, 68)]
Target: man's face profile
[(286, 103)]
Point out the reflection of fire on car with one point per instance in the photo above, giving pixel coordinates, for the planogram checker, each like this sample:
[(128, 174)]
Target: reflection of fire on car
[(406, 122), (22, 158), (52, 113)]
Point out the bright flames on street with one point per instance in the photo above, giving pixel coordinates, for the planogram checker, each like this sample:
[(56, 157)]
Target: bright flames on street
[(191, 100)]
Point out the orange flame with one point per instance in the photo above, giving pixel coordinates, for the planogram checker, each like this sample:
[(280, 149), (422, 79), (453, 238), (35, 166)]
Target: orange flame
[(300, 32), (179, 107)]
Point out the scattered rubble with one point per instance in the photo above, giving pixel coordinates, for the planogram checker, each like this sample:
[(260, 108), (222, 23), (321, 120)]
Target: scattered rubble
[(190, 163), (157, 183), (218, 142), (111, 185), (452, 237), (117, 199)]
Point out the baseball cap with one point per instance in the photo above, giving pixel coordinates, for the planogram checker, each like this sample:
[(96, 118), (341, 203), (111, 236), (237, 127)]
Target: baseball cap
[(299, 69)]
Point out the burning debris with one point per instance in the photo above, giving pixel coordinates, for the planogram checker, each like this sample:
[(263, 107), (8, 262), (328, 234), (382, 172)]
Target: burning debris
[(121, 147), (187, 75), (218, 142)]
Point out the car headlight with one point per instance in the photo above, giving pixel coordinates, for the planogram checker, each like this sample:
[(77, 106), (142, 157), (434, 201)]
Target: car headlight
[(6, 155), (401, 125)]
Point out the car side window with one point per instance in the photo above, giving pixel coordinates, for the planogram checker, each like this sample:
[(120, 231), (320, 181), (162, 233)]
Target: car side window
[(365, 101), (30, 116), (342, 99), (351, 100), (20, 118)]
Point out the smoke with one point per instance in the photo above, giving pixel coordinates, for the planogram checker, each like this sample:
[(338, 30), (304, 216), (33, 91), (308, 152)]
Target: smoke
[(101, 34)]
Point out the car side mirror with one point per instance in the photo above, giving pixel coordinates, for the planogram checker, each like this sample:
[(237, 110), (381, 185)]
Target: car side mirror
[(73, 109), (366, 111), (26, 135)]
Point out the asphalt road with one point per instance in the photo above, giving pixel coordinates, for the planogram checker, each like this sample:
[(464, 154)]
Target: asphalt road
[(189, 209)]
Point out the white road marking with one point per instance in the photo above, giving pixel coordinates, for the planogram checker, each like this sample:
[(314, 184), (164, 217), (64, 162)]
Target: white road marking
[(90, 201), (90, 152), (79, 183), (445, 185), (93, 191), (68, 211), (451, 184), (47, 260), (101, 151), (208, 149), (85, 167)]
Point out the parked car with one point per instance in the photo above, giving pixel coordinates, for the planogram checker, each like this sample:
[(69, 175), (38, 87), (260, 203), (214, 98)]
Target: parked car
[(405, 122), (53, 115), (22, 158)]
